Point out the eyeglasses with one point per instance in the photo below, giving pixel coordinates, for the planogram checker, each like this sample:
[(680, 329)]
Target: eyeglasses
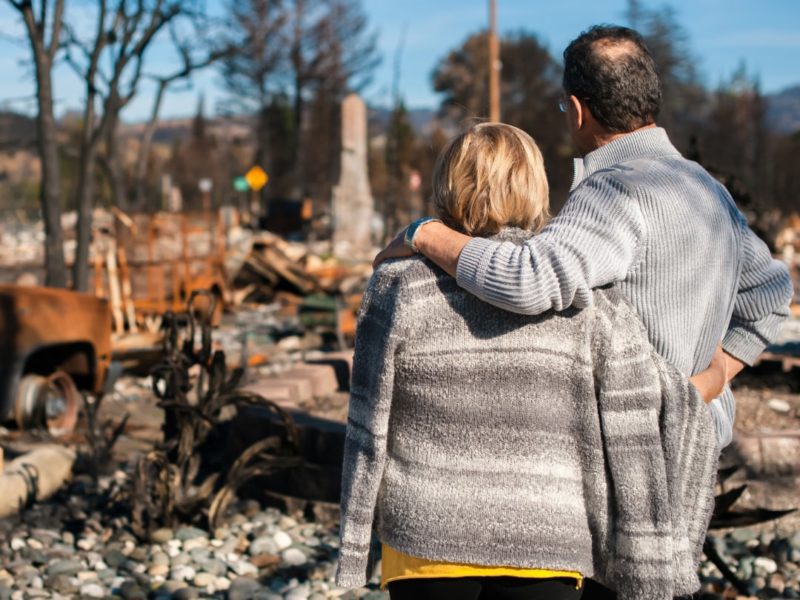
[(562, 105)]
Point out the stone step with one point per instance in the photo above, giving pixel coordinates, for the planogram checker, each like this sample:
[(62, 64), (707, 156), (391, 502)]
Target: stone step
[(321, 377), (284, 392), (769, 453)]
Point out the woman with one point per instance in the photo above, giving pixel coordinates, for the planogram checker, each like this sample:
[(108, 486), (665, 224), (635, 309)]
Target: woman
[(508, 456)]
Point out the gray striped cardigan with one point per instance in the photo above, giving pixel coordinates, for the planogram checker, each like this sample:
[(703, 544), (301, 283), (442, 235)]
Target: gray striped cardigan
[(561, 441)]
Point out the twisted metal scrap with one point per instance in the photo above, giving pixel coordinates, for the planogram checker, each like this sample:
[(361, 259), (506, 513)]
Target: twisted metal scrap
[(724, 517), (166, 487)]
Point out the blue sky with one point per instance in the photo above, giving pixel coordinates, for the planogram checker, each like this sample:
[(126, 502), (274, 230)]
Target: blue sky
[(764, 34)]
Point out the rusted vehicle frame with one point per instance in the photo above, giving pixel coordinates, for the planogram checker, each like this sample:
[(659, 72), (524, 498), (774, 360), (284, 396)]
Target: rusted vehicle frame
[(46, 330)]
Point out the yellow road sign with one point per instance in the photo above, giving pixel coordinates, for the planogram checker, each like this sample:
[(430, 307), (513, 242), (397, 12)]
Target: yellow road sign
[(256, 178)]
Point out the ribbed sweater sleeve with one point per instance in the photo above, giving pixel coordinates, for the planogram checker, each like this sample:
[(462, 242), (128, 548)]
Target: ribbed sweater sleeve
[(377, 339), (762, 302), (593, 241)]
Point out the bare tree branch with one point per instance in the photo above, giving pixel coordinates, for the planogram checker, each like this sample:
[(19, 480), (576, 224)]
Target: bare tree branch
[(55, 40), (190, 64)]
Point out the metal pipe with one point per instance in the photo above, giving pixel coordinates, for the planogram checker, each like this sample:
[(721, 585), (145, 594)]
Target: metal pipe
[(494, 64), (34, 477)]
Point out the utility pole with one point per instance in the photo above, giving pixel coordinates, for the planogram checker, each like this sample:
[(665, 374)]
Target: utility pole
[(494, 64)]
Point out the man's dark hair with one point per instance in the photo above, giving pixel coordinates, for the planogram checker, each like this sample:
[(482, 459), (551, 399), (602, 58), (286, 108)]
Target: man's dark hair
[(612, 71)]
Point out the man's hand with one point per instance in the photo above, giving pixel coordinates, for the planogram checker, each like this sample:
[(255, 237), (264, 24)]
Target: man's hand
[(712, 381), (396, 249), (435, 240)]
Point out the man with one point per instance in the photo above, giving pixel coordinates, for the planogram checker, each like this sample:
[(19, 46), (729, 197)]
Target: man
[(639, 215)]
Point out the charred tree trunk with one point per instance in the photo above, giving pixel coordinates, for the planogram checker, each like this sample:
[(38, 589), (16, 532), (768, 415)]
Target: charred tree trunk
[(85, 192), (144, 147), (47, 144), (298, 66), (299, 186), (83, 204), (116, 172), (50, 192)]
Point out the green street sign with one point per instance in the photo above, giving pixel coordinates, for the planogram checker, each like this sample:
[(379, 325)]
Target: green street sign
[(240, 184)]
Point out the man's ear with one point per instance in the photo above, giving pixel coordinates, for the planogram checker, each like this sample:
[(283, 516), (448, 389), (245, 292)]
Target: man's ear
[(577, 111)]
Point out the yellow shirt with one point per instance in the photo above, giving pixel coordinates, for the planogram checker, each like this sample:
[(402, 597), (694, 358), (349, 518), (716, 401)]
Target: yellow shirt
[(396, 566)]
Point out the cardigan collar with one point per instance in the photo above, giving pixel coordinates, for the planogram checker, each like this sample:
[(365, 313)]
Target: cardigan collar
[(651, 142), (515, 235)]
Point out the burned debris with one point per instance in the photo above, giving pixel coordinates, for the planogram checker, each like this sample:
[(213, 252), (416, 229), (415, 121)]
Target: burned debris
[(55, 344), (194, 464), (173, 484)]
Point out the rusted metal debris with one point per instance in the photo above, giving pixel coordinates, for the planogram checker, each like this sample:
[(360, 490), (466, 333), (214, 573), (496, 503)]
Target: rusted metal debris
[(172, 484), (51, 401), (34, 476), (274, 264), (724, 517), (54, 344), (154, 262)]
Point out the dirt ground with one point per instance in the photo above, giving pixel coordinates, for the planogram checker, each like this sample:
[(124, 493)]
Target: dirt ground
[(767, 443)]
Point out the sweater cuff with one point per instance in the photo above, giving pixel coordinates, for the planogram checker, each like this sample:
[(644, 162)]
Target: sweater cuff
[(472, 264), (723, 413), (352, 571), (743, 345)]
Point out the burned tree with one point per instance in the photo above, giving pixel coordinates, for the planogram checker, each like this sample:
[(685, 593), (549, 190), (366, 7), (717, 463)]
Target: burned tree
[(530, 87), (340, 59), (290, 55), (684, 97), (194, 57), (123, 33), (42, 18), (254, 32)]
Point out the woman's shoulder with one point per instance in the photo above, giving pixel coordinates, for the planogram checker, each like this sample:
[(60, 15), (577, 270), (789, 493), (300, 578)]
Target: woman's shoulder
[(400, 273), (397, 282)]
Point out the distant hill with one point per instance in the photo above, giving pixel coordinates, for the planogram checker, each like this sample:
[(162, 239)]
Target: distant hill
[(421, 119), (783, 110), (18, 132), (169, 131)]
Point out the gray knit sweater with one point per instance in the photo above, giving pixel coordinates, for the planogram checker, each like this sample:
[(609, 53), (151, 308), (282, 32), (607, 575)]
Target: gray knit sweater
[(561, 441), (670, 236)]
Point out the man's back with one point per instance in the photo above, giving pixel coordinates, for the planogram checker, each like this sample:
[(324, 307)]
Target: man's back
[(687, 275), (666, 232)]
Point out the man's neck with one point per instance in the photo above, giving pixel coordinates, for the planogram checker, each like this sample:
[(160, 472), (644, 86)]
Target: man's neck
[(602, 138)]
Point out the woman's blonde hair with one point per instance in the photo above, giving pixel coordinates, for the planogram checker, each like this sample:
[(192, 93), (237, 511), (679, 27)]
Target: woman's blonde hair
[(489, 177)]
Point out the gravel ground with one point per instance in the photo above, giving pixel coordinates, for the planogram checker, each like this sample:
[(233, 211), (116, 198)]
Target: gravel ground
[(75, 547), (80, 546), (768, 563)]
